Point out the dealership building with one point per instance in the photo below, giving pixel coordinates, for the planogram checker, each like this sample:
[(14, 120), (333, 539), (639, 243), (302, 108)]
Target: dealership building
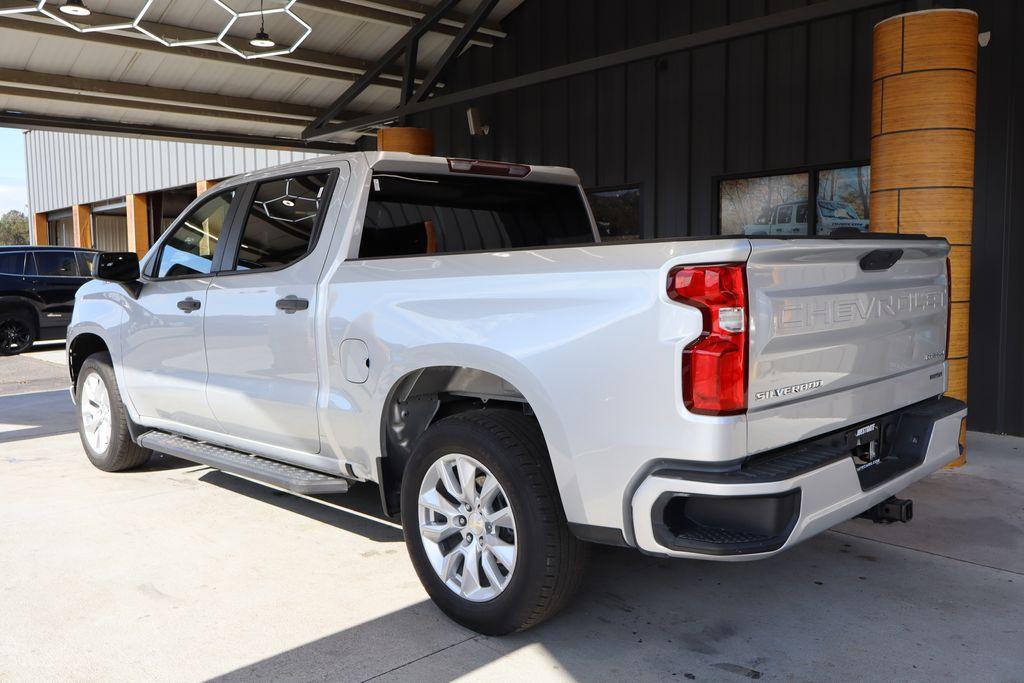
[(682, 118)]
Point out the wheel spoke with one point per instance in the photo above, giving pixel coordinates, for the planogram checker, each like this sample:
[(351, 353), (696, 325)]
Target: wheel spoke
[(502, 518), (471, 569), (450, 564), (504, 552), (438, 531), (487, 490), (467, 479), (448, 480), (492, 571), (434, 501)]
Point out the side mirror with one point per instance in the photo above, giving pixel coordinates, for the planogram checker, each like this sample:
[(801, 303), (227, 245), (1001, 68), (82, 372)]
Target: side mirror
[(121, 267)]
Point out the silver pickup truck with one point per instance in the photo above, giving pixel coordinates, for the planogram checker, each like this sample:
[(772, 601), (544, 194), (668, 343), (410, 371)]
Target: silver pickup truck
[(453, 332)]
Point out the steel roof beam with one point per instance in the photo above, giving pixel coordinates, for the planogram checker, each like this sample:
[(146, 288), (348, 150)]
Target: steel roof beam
[(301, 61), (9, 119), (113, 90), (405, 15), (768, 22)]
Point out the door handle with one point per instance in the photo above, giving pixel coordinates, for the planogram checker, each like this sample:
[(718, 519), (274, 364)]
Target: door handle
[(188, 304), (292, 303)]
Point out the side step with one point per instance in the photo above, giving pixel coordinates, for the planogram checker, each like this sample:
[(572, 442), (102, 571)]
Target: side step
[(289, 477)]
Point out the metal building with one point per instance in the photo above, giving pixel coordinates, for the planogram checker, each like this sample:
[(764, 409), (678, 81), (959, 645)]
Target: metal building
[(674, 112)]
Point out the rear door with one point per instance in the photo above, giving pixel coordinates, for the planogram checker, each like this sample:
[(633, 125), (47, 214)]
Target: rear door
[(163, 356), (55, 275), (841, 331), (260, 319)]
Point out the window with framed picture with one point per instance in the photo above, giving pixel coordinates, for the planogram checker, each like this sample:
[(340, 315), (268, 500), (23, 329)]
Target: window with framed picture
[(617, 212), (763, 205), (844, 200), (777, 204)]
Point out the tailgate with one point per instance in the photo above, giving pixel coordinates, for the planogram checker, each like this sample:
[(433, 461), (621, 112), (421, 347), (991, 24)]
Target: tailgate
[(837, 335)]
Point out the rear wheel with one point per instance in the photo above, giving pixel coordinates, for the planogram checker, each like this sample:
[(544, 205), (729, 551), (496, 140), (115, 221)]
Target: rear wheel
[(484, 524), (103, 420), (17, 333)]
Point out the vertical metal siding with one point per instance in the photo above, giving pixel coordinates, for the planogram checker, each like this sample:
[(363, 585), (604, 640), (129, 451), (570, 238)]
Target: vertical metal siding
[(74, 168), (796, 96)]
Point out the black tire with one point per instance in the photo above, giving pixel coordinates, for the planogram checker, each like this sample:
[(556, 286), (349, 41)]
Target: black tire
[(550, 561), (121, 452), (17, 332)]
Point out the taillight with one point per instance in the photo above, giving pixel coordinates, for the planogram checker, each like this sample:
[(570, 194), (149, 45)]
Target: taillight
[(714, 364), (949, 301)]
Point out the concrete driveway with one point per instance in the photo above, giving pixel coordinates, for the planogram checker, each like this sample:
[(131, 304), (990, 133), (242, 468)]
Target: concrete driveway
[(177, 572)]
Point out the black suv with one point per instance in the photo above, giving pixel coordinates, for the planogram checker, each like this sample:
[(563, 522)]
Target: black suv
[(37, 293)]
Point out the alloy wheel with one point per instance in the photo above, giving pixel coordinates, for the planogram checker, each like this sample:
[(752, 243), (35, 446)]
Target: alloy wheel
[(467, 527), (95, 407)]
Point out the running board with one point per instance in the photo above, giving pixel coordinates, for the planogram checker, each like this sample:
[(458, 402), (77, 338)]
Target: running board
[(289, 477)]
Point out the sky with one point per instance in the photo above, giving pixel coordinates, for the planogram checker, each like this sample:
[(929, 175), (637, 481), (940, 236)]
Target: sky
[(13, 194)]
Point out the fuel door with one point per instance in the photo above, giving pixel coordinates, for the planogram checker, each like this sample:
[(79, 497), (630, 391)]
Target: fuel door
[(355, 360)]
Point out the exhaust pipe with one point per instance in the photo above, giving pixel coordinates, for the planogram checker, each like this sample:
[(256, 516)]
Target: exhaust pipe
[(890, 510)]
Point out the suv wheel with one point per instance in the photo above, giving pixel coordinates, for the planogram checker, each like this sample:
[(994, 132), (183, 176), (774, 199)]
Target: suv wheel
[(484, 523), (16, 333), (103, 420)]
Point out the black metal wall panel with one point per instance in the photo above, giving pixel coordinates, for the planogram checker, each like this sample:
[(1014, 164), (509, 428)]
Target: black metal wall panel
[(796, 96)]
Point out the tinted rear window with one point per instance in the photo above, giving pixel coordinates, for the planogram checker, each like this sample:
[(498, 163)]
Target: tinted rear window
[(12, 262), (410, 214)]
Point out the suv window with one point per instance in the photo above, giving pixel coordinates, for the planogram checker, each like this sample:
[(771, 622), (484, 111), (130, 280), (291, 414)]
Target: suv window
[(57, 264), (412, 214), (85, 263), (785, 215), (282, 221), (189, 249), (12, 263)]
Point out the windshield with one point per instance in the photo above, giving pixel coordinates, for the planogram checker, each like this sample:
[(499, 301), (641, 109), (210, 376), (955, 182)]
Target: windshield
[(836, 210)]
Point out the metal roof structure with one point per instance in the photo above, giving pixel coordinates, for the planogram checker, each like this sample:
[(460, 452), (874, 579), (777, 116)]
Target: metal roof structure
[(153, 68)]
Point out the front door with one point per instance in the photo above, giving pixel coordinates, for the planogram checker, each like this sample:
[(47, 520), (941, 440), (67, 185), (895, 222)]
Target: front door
[(163, 356), (260, 323)]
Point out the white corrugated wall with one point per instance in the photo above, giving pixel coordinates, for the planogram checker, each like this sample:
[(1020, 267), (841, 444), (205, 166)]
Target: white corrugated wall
[(75, 168)]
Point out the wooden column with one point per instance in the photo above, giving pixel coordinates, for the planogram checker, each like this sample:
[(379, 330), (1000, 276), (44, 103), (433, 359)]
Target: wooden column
[(40, 228), (411, 140), (922, 146), (81, 221), (204, 185), (138, 223)]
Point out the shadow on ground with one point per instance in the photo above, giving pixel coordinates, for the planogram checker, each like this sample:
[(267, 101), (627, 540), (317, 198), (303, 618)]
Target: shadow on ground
[(836, 607), (28, 416)]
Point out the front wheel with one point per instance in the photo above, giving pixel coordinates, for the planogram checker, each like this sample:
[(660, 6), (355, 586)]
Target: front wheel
[(103, 419), (484, 523), (17, 333)]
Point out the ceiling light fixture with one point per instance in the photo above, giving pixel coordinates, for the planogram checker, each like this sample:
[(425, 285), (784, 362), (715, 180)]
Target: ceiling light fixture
[(75, 8), (261, 38)]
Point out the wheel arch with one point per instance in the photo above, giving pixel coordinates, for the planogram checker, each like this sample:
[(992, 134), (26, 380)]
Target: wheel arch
[(80, 347), (421, 397)]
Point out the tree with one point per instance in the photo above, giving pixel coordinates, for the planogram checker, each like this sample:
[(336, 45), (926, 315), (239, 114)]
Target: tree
[(13, 228)]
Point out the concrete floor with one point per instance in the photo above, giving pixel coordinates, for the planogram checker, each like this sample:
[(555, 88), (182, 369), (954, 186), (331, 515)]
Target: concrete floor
[(176, 572)]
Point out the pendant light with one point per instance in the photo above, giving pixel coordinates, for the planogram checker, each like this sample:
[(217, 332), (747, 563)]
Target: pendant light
[(261, 39)]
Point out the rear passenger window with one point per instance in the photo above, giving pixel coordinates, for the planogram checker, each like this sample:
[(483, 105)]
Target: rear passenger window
[(85, 260), (190, 248), (12, 263), (281, 225), (57, 264), (411, 214)]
